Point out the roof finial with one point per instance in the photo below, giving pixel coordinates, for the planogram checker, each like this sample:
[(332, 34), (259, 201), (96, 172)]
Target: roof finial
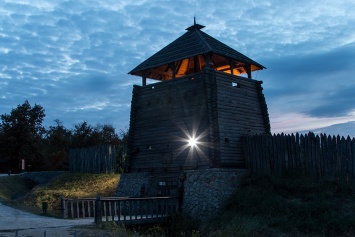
[(195, 26)]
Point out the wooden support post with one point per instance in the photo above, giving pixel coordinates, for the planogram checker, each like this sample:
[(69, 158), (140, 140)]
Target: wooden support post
[(98, 214), (113, 213), (77, 209), (207, 60), (63, 207), (125, 209), (231, 63), (83, 208), (105, 209), (196, 64), (72, 209), (173, 70), (144, 80), (247, 68)]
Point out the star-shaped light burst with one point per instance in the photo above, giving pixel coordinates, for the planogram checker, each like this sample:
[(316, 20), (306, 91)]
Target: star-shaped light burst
[(195, 141), (192, 142)]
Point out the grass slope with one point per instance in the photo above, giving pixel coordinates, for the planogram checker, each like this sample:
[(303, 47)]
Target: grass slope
[(287, 206), (13, 187), (25, 194)]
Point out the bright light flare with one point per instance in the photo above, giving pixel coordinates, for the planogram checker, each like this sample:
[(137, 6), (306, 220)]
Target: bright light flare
[(195, 143), (192, 142)]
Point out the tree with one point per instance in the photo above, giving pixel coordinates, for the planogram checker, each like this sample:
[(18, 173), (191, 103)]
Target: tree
[(82, 135), (22, 133), (85, 135), (122, 152), (106, 134), (58, 140)]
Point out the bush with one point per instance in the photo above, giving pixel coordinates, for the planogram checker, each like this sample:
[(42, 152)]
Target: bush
[(182, 226)]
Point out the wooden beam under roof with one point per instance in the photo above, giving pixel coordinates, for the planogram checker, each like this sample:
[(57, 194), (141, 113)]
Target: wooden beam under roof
[(184, 64), (161, 72)]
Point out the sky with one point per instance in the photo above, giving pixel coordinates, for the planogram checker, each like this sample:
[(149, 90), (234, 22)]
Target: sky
[(72, 57)]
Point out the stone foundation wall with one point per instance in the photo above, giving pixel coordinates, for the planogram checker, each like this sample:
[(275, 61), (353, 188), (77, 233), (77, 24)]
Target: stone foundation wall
[(205, 190), (130, 185)]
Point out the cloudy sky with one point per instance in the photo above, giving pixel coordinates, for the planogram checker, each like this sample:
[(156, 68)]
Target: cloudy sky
[(72, 56)]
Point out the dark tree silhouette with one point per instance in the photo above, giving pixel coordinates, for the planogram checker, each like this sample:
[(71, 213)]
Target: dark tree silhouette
[(58, 140), (22, 136), (82, 135), (85, 135), (106, 134), (22, 133)]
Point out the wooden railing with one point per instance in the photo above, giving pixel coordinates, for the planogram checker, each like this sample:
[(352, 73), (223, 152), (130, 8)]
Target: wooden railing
[(120, 209)]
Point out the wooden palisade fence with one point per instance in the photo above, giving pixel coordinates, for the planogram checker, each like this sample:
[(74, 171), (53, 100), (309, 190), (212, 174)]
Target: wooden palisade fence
[(99, 159), (318, 155), (120, 209)]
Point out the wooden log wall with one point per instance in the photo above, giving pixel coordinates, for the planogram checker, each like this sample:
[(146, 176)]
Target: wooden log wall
[(99, 159), (211, 103), (163, 115), (220, 106), (318, 155), (241, 109)]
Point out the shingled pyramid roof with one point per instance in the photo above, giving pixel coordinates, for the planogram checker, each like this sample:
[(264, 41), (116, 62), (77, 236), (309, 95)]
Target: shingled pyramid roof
[(189, 53)]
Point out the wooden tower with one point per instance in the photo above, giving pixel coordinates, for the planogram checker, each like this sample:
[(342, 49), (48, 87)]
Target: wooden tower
[(194, 117)]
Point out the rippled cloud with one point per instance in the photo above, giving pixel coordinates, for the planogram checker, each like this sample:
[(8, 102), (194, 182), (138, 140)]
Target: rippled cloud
[(72, 57)]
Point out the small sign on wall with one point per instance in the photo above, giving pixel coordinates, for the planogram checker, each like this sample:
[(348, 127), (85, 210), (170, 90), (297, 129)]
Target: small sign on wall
[(23, 165)]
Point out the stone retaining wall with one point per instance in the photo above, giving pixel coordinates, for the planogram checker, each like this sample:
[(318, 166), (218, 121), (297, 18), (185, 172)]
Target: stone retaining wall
[(131, 183), (205, 190)]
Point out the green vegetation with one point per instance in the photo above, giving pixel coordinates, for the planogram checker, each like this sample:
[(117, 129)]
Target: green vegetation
[(107, 229), (24, 193), (287, 206), (21, 132), (293, 206), (22, 136), (14, 187)]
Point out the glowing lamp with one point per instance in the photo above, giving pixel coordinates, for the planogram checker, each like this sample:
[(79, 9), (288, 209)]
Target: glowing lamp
[(192, 141)]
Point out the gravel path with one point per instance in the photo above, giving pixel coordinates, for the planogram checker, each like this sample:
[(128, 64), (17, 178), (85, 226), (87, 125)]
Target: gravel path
[(27, 224)]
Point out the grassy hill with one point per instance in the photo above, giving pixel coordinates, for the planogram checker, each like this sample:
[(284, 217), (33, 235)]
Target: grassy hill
[(285, 206), (28, 193)]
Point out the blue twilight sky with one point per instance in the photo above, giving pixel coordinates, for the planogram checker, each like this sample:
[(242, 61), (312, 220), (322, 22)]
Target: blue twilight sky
[(72, 56)]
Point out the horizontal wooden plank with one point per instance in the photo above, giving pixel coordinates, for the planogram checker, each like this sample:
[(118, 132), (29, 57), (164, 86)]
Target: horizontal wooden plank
[(210, 101)]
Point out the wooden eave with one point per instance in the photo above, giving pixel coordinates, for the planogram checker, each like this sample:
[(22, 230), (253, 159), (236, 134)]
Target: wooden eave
[(192, 52)]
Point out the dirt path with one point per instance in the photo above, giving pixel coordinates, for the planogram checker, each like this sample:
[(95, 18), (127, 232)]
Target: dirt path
[(27, 224)]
